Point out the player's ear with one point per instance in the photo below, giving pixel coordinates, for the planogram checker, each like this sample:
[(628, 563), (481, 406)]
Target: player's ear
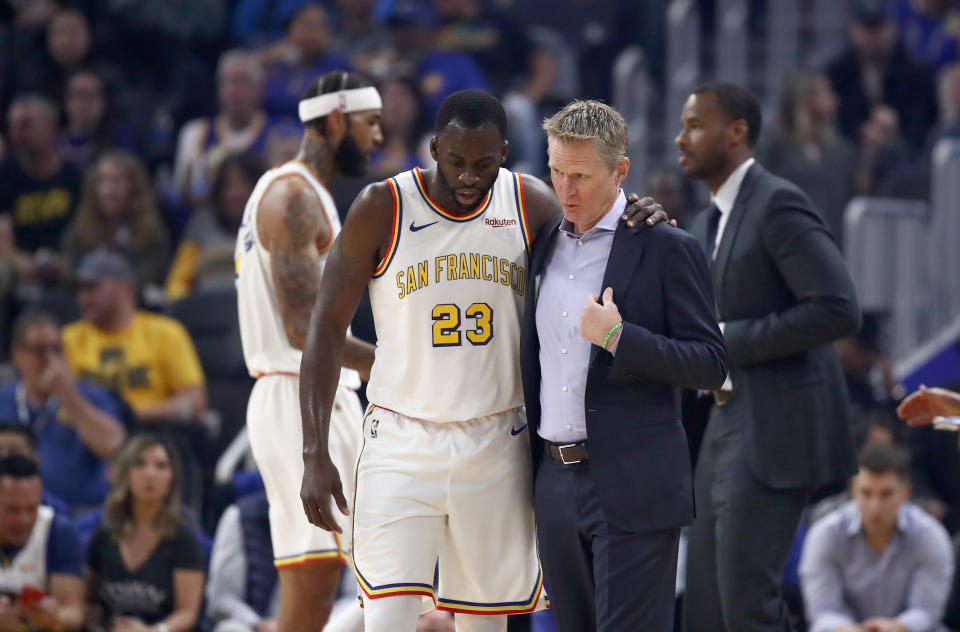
[(504, 151), (336, 127), (433, 149)]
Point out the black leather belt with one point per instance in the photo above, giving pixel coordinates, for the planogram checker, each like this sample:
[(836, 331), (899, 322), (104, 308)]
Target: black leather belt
[(566, 453)]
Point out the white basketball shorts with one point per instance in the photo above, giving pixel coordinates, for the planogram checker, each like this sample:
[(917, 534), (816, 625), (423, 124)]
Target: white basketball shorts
[(276, 439), (451, 499)]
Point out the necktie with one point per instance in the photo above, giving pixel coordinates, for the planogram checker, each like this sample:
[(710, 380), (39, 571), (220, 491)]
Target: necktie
[(713, 223)]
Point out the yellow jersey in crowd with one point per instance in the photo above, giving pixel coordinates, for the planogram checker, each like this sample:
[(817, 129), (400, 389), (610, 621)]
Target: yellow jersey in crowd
[(146, 362)]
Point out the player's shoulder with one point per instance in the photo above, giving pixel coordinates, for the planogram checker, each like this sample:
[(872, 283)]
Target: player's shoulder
[(285, 187), (376, 200)]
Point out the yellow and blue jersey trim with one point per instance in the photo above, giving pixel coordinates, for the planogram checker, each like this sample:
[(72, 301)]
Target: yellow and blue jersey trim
[(394, 229), (508, 607), (444, 213), (522, 211), (312, 556)]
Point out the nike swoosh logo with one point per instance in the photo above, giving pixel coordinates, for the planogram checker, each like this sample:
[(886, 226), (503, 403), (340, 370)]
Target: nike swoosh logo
[(516, 431), (414, 229)]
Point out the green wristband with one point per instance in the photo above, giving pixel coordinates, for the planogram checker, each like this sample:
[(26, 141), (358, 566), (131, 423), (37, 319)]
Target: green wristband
[(613, 330)]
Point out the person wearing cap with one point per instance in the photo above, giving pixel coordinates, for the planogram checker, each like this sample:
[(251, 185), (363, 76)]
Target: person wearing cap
[(74, 425), (146, 358), (883, 93)]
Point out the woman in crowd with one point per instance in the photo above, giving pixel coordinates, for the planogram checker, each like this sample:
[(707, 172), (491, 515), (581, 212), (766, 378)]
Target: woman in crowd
[(402, 125), (205, 256), (118, 211), (144, 565), (90, 128)]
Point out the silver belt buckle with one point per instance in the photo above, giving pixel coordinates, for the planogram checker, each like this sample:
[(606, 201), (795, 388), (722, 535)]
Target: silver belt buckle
[(563, 458)]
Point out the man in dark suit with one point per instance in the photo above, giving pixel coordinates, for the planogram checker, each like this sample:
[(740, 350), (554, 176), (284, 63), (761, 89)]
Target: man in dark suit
[(781, 428), (613, 481)]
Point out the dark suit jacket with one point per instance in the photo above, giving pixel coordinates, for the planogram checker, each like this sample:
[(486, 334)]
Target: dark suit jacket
[(638, 449), (784, 294)]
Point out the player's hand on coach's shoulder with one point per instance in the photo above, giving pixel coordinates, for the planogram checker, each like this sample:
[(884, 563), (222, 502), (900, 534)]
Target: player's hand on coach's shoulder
[(645, 209), (321, 481)]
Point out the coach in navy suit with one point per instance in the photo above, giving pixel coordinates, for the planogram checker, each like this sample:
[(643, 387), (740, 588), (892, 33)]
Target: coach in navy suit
[(617, 318)]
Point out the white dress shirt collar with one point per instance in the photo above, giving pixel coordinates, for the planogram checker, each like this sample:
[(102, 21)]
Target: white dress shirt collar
[(608, 222), (727, 193)]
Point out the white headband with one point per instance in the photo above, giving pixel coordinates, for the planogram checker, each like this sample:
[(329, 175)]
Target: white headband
[(354, 100)]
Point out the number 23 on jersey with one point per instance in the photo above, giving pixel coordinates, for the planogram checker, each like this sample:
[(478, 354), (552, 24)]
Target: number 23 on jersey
[(446, 324)]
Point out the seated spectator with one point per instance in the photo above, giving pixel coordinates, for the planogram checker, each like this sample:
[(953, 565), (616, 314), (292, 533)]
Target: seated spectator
[(243, 592), (297, 60), (867, 368), (241, 125), (38, 191), (259, 22), (41, 585), (361, 35), (518, 71), (68, 46), (928, 29), (403, 128), (876, 73), (144, 566), (19, 440), (90, 127), (807, 149), (118, 212), (147, 358), (75, 424), (877, 562), (205, 256), (438, 73)]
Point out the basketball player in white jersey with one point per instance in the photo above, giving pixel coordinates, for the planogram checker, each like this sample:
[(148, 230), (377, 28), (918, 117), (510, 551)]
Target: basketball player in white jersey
[(443, 475), (288, 226)]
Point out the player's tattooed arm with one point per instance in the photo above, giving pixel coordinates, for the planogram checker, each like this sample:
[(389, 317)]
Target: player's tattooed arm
[(291, 223), (542, 205), (349, 266)]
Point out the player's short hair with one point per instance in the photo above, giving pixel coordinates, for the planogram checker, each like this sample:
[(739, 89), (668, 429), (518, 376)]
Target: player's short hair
[(584, 120), (881, 458), (738, 103), (471, 109), (27, 321), (333, 81)]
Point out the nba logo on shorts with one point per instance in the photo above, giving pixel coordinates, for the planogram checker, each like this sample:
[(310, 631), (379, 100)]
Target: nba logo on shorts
[(342, 102), (373, 428)]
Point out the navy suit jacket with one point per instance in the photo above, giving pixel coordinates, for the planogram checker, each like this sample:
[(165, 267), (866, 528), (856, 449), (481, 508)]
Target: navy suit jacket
[(638, 449)]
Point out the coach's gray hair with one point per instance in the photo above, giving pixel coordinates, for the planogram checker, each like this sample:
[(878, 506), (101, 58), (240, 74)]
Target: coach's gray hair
[(243, 56), (583, 120)]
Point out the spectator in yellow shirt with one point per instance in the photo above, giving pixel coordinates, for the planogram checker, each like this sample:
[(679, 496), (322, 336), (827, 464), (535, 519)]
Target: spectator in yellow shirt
[(147, 358)]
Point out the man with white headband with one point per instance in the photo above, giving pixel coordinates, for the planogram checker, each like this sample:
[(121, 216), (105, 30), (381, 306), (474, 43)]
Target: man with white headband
[(443, 475), (288, 226)]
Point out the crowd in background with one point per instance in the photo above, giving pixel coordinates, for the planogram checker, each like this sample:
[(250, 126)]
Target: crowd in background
[(133, 132)]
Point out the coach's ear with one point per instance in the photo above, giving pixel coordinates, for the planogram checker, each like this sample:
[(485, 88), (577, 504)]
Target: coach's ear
[(336, 127)]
